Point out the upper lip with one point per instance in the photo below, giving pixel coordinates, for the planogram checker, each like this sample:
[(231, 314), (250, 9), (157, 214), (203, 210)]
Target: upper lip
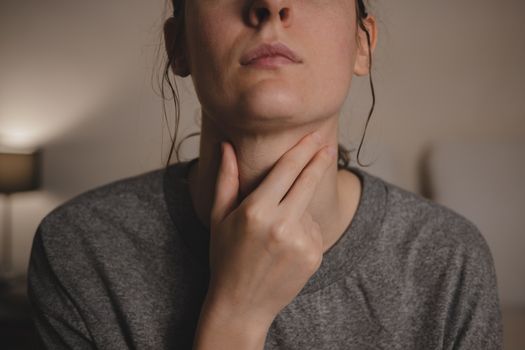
[(266, 50)]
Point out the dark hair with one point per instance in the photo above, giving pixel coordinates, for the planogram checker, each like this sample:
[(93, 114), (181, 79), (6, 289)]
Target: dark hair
[(343, 159)]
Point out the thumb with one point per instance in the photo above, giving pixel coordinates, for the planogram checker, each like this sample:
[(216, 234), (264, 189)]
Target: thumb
[(227, 185)]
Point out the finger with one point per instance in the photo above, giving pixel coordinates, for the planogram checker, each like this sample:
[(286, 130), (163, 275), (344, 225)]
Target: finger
[(226, 186), (279, 180), (301, 193), (313, 228)]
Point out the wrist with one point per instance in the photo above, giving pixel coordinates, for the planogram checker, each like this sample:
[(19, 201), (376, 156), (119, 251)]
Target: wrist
[(220, 310), (220, 329)]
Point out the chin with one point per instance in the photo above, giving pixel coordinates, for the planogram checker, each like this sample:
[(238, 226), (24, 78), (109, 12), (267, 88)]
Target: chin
[(270, 103)]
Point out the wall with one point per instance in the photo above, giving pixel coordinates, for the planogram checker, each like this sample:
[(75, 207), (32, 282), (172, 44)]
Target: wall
[(75, 81)]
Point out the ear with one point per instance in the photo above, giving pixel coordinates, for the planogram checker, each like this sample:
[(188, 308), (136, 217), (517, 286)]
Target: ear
[(174, 40), (361, 66)]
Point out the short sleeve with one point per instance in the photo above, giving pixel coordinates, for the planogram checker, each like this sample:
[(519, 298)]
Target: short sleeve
[(475, 320), (58, 322)]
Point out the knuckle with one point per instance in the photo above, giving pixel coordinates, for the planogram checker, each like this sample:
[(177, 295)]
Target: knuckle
[(252, 214), (278, 233)]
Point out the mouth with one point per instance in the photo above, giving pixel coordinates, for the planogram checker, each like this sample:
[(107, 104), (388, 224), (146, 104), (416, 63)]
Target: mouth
[(270, 56)]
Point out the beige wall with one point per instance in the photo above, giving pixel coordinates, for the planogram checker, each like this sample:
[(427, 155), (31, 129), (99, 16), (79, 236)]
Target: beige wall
[(74, 79)]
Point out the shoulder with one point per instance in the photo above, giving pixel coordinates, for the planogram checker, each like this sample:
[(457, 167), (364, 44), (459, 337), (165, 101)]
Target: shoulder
[(442, 264), (417, 228), (118, 206), (434, 222)]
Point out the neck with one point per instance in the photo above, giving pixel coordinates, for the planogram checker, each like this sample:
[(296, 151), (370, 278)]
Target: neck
[(336, 196)]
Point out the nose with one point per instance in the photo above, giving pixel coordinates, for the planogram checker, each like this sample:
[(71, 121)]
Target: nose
[(270, 10)]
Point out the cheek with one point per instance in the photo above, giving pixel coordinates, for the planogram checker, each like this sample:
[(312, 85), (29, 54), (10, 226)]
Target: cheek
[(211, 55), (202, 44), (331, 64)]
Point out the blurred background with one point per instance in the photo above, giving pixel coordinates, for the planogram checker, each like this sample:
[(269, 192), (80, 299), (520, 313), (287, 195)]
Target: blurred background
[(77, 81)]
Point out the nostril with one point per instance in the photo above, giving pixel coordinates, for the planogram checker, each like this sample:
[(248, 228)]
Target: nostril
[(283, 13), (261, 13)]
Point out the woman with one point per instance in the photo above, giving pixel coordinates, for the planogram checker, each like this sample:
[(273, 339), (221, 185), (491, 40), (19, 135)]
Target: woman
[(263, 241)]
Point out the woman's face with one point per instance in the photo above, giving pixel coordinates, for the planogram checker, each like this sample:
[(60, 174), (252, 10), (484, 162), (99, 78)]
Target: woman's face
[(321, 32)]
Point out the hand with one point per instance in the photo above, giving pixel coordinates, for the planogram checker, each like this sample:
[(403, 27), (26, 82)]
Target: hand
[(263, 252)]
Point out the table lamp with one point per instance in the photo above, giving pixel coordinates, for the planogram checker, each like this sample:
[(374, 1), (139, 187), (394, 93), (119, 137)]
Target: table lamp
[(19, 172)]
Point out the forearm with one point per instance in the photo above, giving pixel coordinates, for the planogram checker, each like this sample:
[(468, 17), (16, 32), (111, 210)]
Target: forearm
[(217, 330)]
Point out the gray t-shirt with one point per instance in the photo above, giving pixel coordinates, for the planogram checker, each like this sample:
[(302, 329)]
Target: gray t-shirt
[(125, 266)]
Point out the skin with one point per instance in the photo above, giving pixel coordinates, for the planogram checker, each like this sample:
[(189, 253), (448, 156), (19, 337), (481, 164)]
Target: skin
[(264, 113), (274, 199)]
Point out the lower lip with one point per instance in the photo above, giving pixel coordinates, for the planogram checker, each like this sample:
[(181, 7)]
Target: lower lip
[(269, 62)]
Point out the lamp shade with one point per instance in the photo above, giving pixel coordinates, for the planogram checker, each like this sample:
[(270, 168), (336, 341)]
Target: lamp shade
[(19, 172)]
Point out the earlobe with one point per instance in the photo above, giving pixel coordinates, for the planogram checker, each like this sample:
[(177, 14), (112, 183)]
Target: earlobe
[(175, 47), (362, 64)]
